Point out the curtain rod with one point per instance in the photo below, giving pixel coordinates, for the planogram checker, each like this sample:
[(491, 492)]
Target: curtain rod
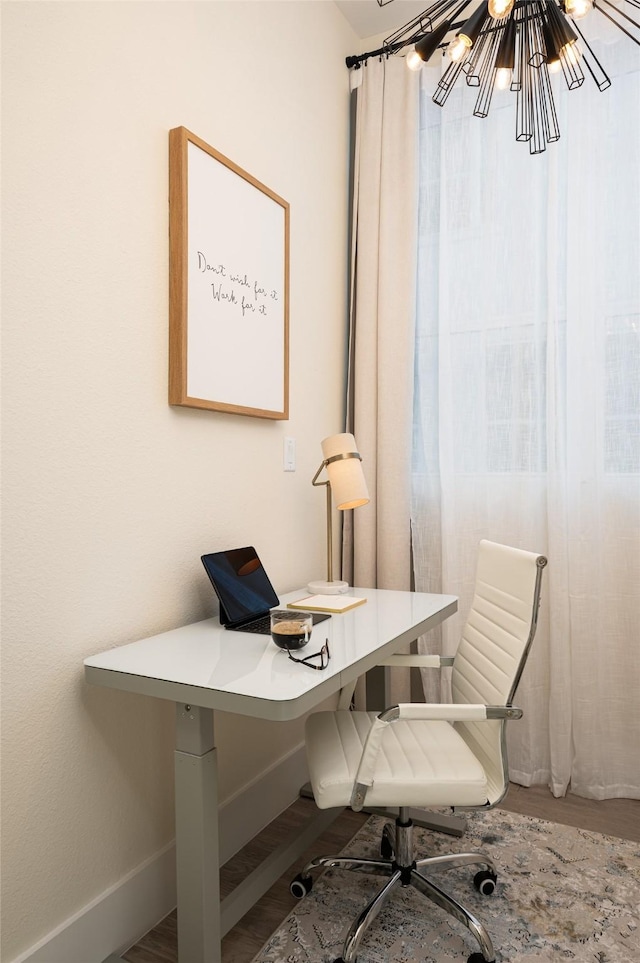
[(357, 59)]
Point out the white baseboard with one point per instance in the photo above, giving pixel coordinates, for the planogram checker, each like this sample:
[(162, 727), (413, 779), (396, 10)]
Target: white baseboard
[(115, 919), (121, 915)]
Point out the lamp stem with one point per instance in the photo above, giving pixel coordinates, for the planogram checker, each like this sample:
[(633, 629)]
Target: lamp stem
[(329, 535)]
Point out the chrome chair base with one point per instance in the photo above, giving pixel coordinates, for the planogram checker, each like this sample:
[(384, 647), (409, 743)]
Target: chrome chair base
[(398, 864)]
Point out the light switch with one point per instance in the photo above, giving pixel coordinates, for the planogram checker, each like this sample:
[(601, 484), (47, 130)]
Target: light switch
[(289, 454)]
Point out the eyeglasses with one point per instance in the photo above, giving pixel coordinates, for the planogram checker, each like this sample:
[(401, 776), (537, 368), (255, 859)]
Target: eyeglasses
[(324, 655)]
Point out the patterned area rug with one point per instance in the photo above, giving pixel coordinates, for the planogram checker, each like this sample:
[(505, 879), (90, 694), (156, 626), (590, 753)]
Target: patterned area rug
[(562, 894)]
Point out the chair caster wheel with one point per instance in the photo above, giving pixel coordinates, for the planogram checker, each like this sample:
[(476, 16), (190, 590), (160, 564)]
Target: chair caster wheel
[(300, 886), (476, 958), (485, 883)]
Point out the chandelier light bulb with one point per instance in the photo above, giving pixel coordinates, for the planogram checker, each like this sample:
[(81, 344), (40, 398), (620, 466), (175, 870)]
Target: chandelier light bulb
[(468, 33), (578, 8), (458, 48), (414, 61), (502, 8)]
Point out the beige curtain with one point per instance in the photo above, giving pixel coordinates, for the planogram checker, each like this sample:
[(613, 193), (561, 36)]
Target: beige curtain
[(377, 538)]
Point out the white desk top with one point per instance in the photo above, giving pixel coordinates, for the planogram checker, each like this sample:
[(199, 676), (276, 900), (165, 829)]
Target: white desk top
[(206, 665)]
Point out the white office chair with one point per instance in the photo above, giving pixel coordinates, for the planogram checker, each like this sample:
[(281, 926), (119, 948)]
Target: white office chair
[(433, 755)]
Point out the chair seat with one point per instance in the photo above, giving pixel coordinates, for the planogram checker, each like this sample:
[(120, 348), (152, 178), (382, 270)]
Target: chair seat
[(421, 763)]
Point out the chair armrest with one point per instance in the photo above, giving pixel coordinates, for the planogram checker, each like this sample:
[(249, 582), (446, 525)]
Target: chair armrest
[(449, 712), (423, 661)]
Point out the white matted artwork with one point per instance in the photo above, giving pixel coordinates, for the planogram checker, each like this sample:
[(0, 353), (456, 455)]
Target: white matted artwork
[(229, 285)]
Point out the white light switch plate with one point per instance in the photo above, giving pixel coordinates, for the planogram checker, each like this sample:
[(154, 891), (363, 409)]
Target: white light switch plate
[(289, 454)]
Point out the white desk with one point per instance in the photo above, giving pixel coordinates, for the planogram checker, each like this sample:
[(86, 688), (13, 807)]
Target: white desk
[(202, 667)]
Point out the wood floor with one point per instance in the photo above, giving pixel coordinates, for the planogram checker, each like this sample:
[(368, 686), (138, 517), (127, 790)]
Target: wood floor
[(616, 817)]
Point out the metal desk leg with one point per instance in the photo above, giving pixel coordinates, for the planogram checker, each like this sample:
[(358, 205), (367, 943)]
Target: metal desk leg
[(197, 853)]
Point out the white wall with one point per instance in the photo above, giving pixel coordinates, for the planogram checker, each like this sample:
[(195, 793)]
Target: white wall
[(110, 495)]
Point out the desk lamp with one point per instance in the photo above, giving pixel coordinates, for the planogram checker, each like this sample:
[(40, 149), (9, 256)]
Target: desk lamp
[(346, 480)]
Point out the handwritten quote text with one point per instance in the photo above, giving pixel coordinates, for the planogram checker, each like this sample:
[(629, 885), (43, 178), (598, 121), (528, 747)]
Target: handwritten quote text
[(236, 288)]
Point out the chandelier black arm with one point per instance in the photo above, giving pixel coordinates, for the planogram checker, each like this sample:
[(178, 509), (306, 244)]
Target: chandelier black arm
[(597, 6), (605, 80), (423, 23)]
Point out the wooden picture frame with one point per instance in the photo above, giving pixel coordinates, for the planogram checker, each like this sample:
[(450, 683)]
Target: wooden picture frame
[(228, 285)]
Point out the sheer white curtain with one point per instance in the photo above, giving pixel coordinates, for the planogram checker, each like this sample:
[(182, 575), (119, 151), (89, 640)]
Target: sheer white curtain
[(527, 404)]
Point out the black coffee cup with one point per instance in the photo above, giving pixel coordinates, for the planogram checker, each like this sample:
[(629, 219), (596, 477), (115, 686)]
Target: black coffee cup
[(290, 630)]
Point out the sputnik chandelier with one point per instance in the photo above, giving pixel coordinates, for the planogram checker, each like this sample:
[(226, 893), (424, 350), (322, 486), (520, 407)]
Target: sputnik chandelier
[(510, 44)]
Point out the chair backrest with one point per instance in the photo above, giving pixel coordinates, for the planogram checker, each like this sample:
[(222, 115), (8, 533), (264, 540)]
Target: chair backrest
[(494, 647)]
